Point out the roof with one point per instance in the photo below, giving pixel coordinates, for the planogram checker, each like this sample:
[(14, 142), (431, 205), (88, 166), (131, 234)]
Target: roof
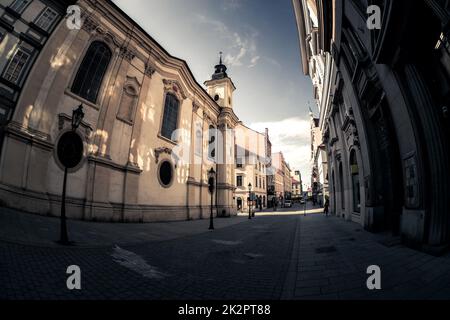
[(139, 27)]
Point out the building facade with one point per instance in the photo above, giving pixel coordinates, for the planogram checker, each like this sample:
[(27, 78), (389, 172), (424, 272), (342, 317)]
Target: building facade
[(25, 27), (297, 183), (151, 133), (251, 168), (386, 121), (296, 189), (319, 159), (282, 177)]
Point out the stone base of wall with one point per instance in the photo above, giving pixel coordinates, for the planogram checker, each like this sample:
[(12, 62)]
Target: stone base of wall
[(80, 209), (374, 218)]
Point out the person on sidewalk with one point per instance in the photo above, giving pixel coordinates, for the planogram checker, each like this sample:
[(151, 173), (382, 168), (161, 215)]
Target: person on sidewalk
[(326, 206)]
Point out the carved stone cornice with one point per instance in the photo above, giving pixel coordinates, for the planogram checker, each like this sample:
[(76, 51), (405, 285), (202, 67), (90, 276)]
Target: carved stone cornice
[(350, 131), (127, 53), (29, 135), (89, 25), (149, 70), (195, 107), (160, 151), (333, 141), (207, 117), (64, 120), (174, 87)]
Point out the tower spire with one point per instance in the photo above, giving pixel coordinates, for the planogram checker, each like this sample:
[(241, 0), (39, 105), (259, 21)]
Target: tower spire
[(220, 70)]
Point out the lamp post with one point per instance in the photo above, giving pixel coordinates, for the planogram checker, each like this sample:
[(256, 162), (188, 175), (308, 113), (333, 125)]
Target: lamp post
[(70, 154), (250, 200), (211, 187)]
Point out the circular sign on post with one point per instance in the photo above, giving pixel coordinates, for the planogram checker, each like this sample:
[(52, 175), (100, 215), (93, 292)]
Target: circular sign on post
[(70, 149)]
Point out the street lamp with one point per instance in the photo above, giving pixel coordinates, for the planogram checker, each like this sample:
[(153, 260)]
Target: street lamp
[(211, 183), (77, 117), (249, 200), (70, 151)]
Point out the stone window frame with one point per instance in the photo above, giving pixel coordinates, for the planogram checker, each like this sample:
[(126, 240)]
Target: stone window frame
[(163, 161), (108, 40), (171, 87), (106, 74), (84, 159), (41, 15), (26, 66), (130, 88), (242, 180), (178, 120), (22, 10)]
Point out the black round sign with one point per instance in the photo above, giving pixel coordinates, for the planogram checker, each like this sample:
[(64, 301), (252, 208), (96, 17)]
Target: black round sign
[(70, 149)]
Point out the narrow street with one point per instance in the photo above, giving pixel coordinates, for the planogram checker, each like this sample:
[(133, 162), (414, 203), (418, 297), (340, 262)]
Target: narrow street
[(276, 255)]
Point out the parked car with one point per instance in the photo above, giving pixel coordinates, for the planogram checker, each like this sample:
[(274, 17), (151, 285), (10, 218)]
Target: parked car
[(288, 204)]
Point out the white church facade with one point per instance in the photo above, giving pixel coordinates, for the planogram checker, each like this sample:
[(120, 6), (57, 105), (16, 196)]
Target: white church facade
[(144, 111)]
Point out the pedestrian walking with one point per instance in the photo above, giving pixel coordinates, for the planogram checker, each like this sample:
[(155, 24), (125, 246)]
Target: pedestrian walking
[(326, 206)]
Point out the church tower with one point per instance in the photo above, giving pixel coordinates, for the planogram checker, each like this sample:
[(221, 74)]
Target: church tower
[(220, 87)]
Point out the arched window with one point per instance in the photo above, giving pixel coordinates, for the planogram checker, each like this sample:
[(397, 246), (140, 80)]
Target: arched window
[(170, 119), (90, 75), (355, 182)]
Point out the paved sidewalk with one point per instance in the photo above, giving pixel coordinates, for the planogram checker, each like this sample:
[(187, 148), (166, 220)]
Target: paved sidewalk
[(331, 257), (29, 229), (284, 255)]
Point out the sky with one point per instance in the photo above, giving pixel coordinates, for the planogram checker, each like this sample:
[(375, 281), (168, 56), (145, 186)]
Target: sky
[(260, 46)]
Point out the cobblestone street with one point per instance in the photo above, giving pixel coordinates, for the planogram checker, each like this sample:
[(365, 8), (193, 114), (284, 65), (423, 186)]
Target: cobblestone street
[(281, 255)]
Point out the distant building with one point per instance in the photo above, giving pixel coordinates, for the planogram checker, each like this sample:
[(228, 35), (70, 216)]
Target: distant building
[(251, 167), (297, 175), (270, 185), (282, 176), (296, 189)]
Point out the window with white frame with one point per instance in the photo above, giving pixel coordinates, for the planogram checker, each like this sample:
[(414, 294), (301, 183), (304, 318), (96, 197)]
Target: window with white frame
[(19, 5), (16, 66), (46, 19)]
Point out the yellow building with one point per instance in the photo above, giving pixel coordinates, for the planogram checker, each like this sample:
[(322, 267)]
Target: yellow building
[(251, 167)]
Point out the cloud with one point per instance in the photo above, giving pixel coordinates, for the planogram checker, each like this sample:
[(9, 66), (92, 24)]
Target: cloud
[(241, 47), (217, 25), (272, 61), (231, 5), (292, 136), (254, 61)]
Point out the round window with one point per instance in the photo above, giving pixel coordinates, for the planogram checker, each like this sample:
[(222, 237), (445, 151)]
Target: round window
[(165, 173)]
